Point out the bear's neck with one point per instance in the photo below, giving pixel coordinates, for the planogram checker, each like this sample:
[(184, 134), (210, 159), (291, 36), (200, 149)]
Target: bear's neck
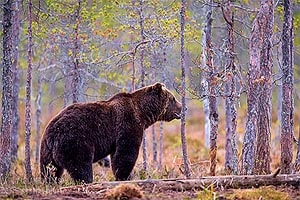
[(147, 114)]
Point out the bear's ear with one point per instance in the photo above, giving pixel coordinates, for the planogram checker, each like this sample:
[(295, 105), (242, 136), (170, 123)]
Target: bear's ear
[(158, 87)]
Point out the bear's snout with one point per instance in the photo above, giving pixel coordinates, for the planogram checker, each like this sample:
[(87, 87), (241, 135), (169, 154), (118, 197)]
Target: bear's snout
[(178, 110)]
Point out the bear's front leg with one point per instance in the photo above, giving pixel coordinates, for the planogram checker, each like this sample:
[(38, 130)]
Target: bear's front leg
[(123, 160)]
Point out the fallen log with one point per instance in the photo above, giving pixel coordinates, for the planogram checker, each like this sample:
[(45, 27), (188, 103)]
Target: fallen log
[(218, 182)]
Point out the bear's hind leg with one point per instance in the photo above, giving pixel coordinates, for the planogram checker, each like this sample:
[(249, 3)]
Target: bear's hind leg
[(81, 172), (50, 171)]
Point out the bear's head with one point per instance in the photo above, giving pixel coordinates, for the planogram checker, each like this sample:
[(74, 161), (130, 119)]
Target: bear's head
[(160, 103), (172, 108)]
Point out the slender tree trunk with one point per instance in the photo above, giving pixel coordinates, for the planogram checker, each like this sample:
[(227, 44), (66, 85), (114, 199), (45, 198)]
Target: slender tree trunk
[(212, 100), (76, 79), (256, 151), (205, 84), (187, 170), (154, 145), (161, 125), (28, 171), (38, 119), (16, 82), (287, 114), (206, 121), (51, 94), (231, 155), (161, 137), (141, 22), (66, 87), (7, 91)]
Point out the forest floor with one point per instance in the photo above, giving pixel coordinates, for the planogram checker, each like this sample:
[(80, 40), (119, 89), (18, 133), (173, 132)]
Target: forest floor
[(134, 192), (172, 168)]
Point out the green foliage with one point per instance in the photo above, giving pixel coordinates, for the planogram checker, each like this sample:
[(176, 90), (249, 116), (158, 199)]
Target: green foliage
[(260, 193), (207, 193), (296, 23)]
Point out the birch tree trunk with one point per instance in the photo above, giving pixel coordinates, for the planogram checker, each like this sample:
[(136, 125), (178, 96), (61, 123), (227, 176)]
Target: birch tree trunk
[(76, 79), (287, 114), (28, 170), (205, 85), (187, 171), (161, 125), (256, 146), (231, 155), (16, 82), (161, 137), (212, 99), (7, 96), (141, 22), (38, 119)]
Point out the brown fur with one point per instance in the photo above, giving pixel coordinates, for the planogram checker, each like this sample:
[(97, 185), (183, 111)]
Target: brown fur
[(82, 134)]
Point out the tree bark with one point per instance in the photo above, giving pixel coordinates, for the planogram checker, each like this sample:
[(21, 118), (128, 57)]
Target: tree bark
[(141, 22), (287, 114), (187, 171), (76, 78), (256, 146), (38, 119), (28, 170), (217, 182), (7, 91), (231, 155), (263, 29), (154, 141), (212, 99), (16, 82), (205, 85), (161, 137)]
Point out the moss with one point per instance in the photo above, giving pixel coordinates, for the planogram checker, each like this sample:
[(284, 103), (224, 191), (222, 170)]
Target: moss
[(269, 193)]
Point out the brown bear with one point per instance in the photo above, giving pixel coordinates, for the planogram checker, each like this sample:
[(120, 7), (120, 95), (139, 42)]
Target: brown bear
[(84, 133)]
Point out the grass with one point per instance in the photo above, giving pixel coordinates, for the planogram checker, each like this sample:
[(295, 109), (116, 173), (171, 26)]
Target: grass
[(268, 193), (171, 161)]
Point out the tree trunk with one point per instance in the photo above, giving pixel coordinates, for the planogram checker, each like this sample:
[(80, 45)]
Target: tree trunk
[(256, 151), (141, 22), (7, 91), (52, 94), (248, 151), (205, 85), (38, 119), (217, 182), (264, 30), (28, 171), (154, 141), (187, 171), (231, 155), (212, 99), (76, 79), (161, 137), (16, 82), (287, 114), (161, 125)]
